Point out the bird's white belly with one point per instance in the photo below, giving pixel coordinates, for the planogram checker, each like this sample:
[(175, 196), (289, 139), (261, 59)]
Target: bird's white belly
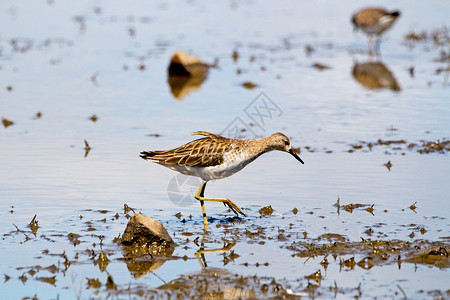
[(233, 162), (378, 28)]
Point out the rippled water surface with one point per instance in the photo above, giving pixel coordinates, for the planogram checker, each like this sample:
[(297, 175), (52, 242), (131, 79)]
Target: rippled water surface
[(368, 185)]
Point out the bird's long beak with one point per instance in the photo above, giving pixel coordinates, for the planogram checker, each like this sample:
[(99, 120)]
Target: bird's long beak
[(291, 151)]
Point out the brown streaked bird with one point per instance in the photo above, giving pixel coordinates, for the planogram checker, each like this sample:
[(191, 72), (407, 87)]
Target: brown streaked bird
[(374, 21), (215, 157)]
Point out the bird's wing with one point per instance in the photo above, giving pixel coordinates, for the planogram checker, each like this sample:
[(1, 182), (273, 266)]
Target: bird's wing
[(369, 17), (204, 152), (210, 135)]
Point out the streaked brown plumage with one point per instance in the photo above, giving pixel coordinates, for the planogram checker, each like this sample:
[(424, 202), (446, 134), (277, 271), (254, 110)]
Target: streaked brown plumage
[(374, 21), (204, 152)]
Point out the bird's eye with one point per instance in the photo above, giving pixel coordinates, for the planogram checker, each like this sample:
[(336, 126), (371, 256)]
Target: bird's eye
[(286, 143)]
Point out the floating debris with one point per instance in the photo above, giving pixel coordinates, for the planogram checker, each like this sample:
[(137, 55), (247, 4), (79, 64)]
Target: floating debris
[(7, 123), (434, 146), (49, 280), (34, 225), (370, 209), (388, 165), (320, 67), (87, 148), (73, 238), (352, 206), (316, 276), (309, 50), (266, 211), (94, 79), (439, 37), (93, 118), (93, 283), (411, 72), (235, 56), (423, 147), (249, 85), (157, 135)]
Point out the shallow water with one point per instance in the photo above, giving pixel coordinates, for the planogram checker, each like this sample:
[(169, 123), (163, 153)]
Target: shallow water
[(71, 61)]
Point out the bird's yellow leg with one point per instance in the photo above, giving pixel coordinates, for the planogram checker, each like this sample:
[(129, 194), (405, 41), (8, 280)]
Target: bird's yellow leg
[(200, 196)]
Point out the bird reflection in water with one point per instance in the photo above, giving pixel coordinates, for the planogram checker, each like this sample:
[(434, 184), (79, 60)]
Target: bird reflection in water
[(200, 254), (375, 76)]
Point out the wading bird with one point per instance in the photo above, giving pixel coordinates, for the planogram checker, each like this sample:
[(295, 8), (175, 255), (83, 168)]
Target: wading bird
[(374, 21), (215, 157)]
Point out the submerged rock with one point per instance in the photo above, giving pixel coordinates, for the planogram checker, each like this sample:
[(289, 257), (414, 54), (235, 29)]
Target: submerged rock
[(144, 230), (183, 64), (146, 244)]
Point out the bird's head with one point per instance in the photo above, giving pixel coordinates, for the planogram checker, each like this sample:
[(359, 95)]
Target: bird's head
[(279, 141)]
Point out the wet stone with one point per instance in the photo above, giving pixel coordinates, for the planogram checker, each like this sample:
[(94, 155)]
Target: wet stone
[(266, 211), (183, 64), (144, 230)]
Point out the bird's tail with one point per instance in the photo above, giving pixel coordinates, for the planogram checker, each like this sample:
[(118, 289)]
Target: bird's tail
[(148, 155), (395, 13)]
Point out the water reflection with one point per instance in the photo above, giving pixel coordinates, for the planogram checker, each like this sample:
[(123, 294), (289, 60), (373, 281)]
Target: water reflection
[(200, 254), (143, 260), (215, 283), (181, 86), (374, 76)]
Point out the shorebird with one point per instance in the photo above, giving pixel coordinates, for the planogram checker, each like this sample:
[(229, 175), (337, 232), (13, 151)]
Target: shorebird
[(374, 21), (215, 157)]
